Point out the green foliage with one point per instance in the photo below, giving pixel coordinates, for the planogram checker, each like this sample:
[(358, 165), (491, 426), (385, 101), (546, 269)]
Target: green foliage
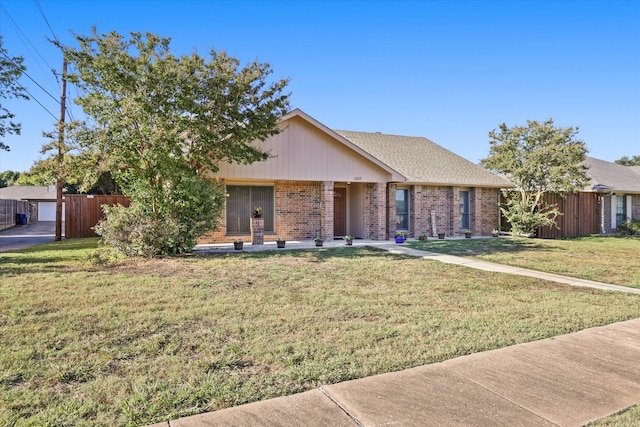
[(524, 216), (162, 124), (9, 178), (187, 211), (626, 161), (630, 226), (538, 158), (11, 69)]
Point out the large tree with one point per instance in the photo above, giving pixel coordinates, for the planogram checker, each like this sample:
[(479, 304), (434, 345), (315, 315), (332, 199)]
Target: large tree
[(632, 161), (11, 70), (538, 158), (164, 123)]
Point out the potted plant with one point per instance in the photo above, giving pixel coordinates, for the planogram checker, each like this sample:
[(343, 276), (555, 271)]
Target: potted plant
[(422, 237), (257, 212), (495, 232), (348, 240), (318, 241), (280, 242), (467, 234), (441, 235), (401, 236), (237, 244)]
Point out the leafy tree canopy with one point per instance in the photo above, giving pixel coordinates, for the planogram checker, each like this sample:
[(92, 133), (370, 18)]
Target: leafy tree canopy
[(11, 69), (162, 123), (633, 161), (538, 158), (8, 178)]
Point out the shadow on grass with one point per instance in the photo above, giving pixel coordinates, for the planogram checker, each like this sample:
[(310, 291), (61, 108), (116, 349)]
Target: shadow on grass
[(318, 255), (473, 247)]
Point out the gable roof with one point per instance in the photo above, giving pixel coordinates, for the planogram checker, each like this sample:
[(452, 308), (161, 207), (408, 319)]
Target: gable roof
[(28, 192), (612, 176), (423, 161), (396, 175)]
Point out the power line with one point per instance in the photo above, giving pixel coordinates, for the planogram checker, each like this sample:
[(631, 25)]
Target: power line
[(39, 103), (30, 78), (25, 39), (46, 20)]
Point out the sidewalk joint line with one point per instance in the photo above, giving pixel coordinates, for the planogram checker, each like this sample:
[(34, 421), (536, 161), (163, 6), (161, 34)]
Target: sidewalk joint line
[(343, 409), (495, 393)]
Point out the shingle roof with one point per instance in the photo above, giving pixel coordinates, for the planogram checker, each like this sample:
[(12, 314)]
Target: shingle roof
[(612, 175), (28, 192), (423, 161)]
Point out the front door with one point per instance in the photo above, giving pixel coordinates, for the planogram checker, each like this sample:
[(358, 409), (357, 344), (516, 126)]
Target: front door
[(339, 212)]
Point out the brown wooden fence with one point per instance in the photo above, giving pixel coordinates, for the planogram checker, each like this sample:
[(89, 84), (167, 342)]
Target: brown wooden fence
[(580, 216), (8, 211), (82, 212)]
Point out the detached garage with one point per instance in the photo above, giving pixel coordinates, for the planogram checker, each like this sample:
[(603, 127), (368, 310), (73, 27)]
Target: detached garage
[(42, 200)]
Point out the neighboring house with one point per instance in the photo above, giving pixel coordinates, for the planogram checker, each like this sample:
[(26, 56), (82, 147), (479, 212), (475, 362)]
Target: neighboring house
[(42, 200), (619, 189), (611, 197), (327, 183)]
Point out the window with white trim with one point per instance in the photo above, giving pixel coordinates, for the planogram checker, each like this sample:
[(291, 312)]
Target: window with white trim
[(402, 209), (621, 210), (463, 219)]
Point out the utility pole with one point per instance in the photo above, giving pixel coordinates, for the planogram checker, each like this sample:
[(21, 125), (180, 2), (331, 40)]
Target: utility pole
[(63, 103)]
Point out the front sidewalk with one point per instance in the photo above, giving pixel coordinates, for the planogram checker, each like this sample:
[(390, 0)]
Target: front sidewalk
[(569, 380)]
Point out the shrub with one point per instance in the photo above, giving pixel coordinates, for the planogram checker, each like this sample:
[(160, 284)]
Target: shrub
[(133, 232), (630, 227)]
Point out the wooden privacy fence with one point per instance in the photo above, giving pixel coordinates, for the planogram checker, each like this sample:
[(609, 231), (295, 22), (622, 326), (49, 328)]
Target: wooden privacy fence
[(580, 216), (82, 212), (8, 211)]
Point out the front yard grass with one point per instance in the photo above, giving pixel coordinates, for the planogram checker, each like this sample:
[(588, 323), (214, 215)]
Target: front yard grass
[(135, 342), (602, 259)]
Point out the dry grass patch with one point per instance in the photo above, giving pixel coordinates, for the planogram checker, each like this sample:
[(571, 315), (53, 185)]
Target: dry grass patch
[(137, 342)]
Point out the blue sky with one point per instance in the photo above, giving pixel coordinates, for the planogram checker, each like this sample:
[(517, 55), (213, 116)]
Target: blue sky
[(450, 71)]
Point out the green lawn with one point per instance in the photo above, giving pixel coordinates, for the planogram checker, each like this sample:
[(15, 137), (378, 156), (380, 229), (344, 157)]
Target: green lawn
[(603, 259), (137, 342)]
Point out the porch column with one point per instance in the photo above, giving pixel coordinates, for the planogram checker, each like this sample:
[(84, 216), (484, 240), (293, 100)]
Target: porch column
[(475, 222), (391, 210), (326, 209)]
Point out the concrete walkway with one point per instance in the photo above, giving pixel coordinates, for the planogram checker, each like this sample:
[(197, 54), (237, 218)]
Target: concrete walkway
[(569, 380)]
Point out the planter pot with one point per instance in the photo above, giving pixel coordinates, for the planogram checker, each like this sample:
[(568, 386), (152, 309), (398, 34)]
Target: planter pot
[(348, 242), (494, 235), (237, 246), (399, 240), (422, 237), (467, 236), (441, 236), (280, 243), (319, 242)]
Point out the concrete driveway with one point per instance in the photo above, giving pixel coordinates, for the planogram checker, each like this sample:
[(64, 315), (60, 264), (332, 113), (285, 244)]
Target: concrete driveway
[(28, 235)]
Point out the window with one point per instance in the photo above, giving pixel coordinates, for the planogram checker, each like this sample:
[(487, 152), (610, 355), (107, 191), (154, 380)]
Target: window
[(242, 200), (402, 209), (464, 210), (621, 210)]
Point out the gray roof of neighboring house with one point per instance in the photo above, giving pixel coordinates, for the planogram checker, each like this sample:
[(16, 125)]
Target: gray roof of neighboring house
[(423, 161), (608, 175), (28, 192)]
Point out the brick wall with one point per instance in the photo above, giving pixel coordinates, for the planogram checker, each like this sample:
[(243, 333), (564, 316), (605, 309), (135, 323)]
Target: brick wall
[(374, 211), (428, 199), (298, 214), (326, 211), (444, 202), (304, 210)]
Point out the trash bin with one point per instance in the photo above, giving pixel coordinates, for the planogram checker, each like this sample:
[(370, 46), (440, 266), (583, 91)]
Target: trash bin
[(21, 218)]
